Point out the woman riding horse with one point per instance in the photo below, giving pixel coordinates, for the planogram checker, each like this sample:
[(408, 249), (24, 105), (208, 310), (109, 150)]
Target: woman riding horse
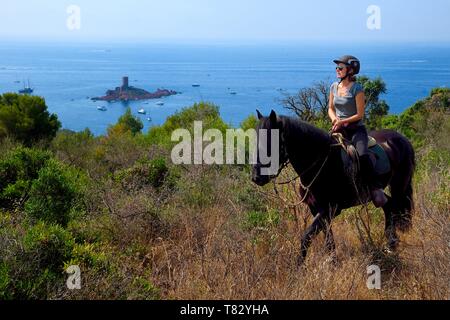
[(346, 111), (317, 159)]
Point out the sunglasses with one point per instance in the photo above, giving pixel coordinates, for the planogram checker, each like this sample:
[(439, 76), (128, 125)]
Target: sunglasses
[(340, 68)]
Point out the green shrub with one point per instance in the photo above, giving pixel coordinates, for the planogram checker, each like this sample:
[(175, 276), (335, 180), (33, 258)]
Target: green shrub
[(51, 244), (143, 289), (54, 194), (158, 171), (197, 192), (75, 148), (262, 219), (251, 122), (89, 256), (155, 173), (206, 112), (17, 170), (38, 267)]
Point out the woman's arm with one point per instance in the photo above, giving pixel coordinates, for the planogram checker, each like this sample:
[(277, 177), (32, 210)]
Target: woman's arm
[(331, 109)]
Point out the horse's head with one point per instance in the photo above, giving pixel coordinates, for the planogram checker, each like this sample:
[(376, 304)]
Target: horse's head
[(271, 152)]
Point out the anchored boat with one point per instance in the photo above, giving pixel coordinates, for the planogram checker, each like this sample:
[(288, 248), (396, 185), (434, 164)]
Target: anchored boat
[(26, 89)]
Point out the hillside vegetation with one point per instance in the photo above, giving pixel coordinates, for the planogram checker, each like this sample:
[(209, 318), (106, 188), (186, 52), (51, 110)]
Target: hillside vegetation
[(140, 227)]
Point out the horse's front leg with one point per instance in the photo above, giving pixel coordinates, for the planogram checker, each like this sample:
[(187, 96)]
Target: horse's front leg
[(319, 224)]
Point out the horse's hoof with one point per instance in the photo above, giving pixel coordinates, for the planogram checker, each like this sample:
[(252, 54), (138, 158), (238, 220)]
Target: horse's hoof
[(333, 260), (300, 261), (389, 250)]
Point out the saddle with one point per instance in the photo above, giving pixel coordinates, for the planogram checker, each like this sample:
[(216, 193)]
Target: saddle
[(350, 156)]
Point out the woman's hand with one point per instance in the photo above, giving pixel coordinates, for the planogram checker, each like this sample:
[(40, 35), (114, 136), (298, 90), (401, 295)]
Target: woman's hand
[(337, 124)]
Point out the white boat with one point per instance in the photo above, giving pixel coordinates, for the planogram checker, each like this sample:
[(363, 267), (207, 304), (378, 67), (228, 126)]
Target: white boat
[(142, 111), (149, 119), (102, 108)]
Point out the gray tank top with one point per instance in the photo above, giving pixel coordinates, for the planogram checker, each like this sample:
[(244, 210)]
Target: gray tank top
[(346, 106)]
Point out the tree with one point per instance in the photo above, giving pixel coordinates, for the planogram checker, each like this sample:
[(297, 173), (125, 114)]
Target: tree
[(26, 119), (376, 109), (310, 104), (127, 123)]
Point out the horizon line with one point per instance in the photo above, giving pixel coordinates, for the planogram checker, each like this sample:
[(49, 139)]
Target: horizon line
[(247, 42)]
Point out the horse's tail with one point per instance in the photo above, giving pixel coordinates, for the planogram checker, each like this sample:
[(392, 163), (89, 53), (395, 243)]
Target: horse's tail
[(401, 185)]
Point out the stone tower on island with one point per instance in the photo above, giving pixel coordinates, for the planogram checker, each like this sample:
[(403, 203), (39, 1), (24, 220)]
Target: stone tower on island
[(124, 86)]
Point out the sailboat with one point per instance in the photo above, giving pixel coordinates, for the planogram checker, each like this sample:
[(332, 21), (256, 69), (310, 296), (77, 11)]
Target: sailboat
[(26, 89)]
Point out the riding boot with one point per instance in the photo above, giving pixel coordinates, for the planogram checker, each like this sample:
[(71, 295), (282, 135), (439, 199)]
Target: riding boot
[(370, 178)]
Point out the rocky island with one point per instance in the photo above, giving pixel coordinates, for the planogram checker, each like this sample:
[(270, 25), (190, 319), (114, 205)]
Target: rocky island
[(128, 93)]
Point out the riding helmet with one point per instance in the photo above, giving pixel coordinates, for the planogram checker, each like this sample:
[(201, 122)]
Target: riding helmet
[(350, 61)]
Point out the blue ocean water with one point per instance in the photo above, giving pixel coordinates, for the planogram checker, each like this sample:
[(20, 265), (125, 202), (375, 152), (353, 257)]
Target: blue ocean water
[(67, 76)]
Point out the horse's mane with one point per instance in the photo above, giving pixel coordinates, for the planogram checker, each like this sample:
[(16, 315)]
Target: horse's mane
[(300, 128)]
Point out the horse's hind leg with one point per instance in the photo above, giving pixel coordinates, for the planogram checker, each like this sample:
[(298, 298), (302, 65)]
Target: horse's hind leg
[(330, 245), (389, 229)]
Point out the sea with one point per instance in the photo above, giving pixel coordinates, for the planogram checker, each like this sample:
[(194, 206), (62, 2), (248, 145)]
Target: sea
[(238, 78)]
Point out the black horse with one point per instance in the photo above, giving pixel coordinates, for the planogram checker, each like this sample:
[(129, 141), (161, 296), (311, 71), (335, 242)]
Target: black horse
[(326, 186)]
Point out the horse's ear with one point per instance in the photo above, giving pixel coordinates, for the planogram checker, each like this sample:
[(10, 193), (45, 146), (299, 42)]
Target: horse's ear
[(260, 116), (273, 118)]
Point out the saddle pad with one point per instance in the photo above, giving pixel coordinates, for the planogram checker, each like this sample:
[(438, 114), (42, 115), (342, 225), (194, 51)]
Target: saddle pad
[(382, 165)]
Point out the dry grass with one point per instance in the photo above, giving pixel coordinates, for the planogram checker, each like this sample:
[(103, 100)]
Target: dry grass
[(210, 255), (218, 236)]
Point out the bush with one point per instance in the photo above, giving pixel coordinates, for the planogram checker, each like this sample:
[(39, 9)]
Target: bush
[(17, 170), (54, 194), (52, 245), (154, 173), (427, 118), (203, 111), (251, 122), (36, 266), (262, 219), (127, 123), (74, 147)]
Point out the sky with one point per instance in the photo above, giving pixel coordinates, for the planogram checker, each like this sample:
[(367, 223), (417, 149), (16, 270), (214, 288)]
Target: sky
[(226, 20)]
